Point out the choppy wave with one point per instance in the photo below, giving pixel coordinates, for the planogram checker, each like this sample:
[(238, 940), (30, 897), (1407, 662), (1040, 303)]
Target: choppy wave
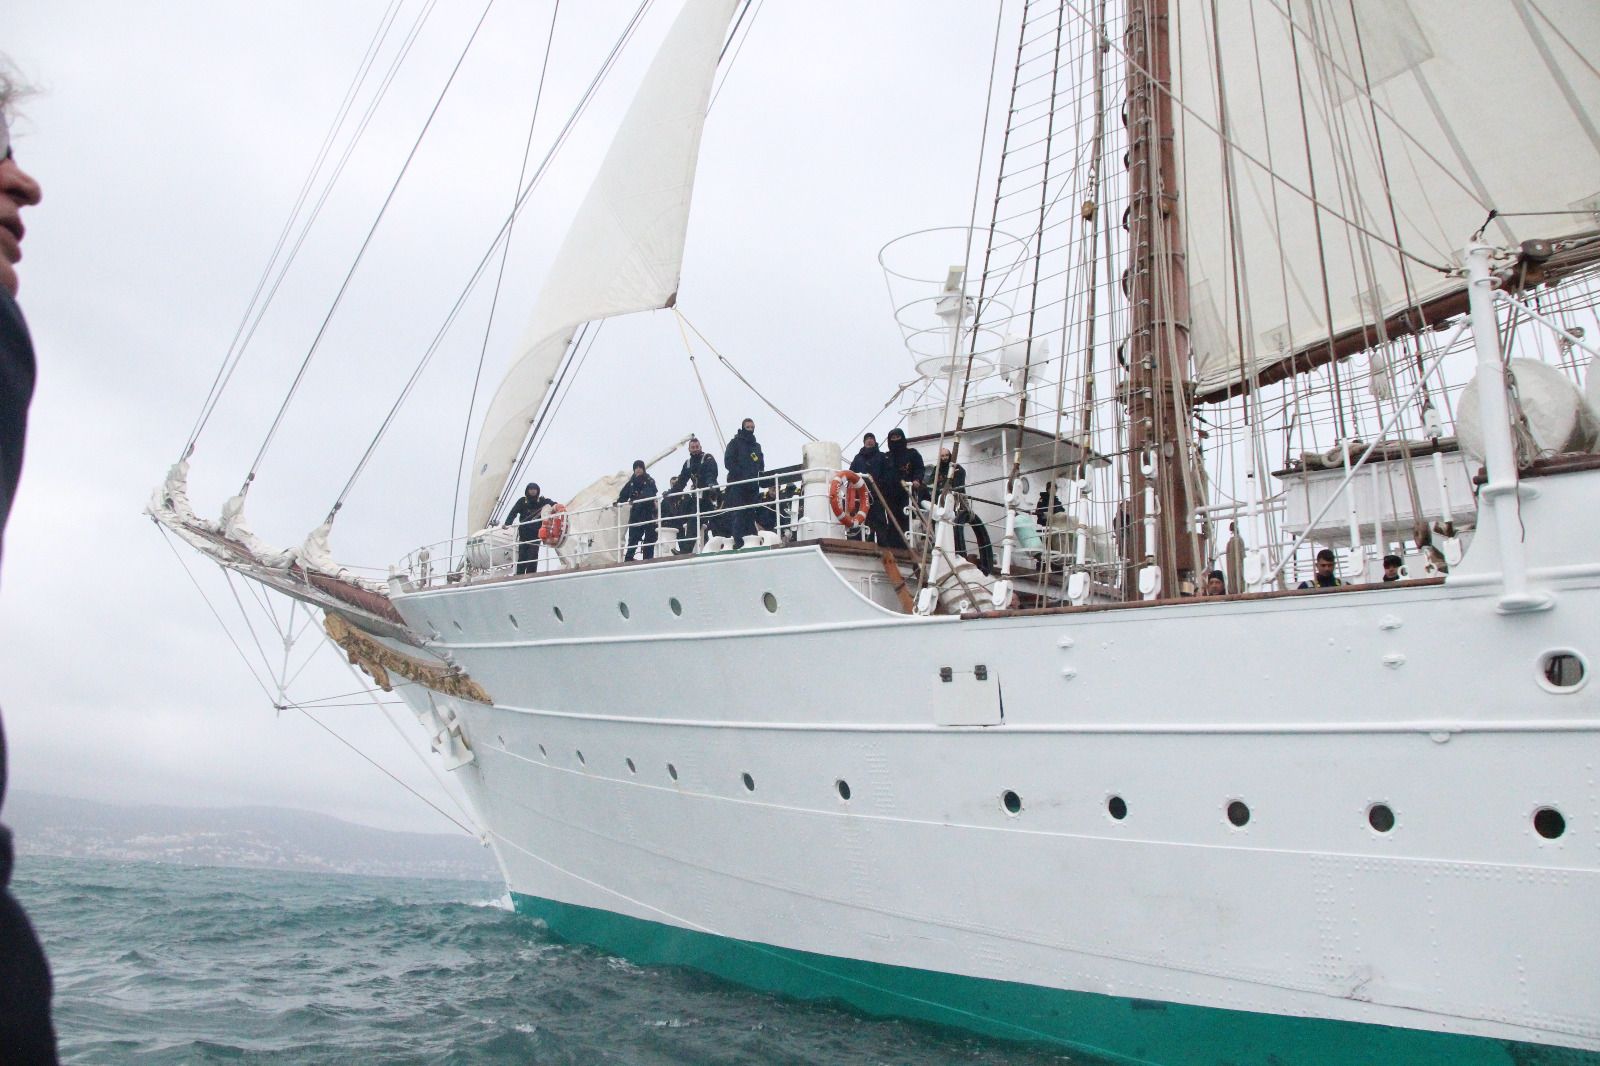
[(172, 964)]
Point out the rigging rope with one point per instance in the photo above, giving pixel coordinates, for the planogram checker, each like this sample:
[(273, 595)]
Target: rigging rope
[(711, 412), (374, 46), (505, 253), (366, 242), (316, 210), (483, 263), (742, 379)]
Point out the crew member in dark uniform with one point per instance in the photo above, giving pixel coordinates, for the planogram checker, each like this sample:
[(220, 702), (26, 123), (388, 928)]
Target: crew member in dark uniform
[(951, 478), (698, 474), (743, 461), (870, 462), (26, 1034), (525, 512), (907, 477), (1324, 577), (640, 495)]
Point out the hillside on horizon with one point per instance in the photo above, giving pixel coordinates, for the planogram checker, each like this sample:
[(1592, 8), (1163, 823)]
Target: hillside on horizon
[(276, 838)]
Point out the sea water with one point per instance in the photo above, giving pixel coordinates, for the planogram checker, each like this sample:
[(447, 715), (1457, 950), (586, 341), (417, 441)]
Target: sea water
[(159, 963)]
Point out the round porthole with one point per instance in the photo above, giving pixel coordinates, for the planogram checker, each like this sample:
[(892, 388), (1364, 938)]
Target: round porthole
[(1011, 802), (1562, 670), (1381, 817), (1117, 807), (843, 788), (559, 616), (672, 771), (1238, 814), (622, 609), (676, 607), (770, 602), (1549, 823), (749, 782), (631, 768)]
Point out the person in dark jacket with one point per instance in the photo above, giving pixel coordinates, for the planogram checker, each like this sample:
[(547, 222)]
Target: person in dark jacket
[(525, 512), (26, 1035), (950, 478), (640, 495), (1325, 576), (744, 461), (870, 462), (907, 477), (699, 473)]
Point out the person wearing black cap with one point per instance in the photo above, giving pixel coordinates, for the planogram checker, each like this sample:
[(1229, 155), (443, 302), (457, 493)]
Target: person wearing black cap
[(906, 480), (640, 496), (870, 462), (744, 462), (26, 1033), (526, 513)]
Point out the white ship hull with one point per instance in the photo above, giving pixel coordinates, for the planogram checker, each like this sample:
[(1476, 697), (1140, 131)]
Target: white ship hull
[(1309, 709)]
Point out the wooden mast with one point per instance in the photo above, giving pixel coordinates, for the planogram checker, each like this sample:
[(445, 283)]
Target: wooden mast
[(1156, 285)]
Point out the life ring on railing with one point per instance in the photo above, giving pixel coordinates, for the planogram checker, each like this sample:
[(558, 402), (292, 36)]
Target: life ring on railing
[(553, 526), (849, 495)]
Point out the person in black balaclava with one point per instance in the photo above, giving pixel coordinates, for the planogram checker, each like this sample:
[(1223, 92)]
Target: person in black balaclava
[(907, 474), (26, 1034), (699, 473), (870, 462), (525, 512), (640, 494), (950, 477), (743, 461)]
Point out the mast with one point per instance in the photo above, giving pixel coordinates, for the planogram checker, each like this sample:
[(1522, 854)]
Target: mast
[(1156, 285)]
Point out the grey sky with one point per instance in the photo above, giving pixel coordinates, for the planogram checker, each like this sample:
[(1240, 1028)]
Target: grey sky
[(171, 138)]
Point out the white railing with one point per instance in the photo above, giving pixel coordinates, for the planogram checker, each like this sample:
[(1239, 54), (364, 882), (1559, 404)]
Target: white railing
[(764, 511)]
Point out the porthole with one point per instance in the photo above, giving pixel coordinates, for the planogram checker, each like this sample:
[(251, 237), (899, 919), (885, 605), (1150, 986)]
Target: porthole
[(1117, 807), (770, 602), (631, 768), (1011, 802), (677, 608), (1562, 670), (1238, 813), (749, 782), (1381, 817), (843, 788), (672, 771), (513, 621), (559, 616), (581, 760), (1548, 823), (622, 609)]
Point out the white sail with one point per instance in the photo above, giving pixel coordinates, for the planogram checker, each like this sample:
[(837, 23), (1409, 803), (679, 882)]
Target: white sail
[(625, 248), (1488, 105)]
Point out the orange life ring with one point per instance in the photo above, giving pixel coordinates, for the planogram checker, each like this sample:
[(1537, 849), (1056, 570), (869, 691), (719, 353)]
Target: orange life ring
[(553, 527), (849, 495)]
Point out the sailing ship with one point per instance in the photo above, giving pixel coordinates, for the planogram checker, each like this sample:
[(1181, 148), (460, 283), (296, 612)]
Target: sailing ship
[(1254, 279)]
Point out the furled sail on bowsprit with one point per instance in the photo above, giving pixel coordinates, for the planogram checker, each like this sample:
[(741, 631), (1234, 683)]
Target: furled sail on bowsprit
[(1408, 120), (625, 248)]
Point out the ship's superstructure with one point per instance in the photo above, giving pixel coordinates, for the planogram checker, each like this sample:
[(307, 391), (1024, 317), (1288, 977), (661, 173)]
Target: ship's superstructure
[(1258, 282)]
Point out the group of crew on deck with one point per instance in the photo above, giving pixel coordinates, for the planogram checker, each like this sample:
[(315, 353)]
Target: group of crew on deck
[(899, 476), (693, 499)]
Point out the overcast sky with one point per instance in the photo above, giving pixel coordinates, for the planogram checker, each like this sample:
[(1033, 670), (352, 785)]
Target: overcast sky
[(171, 139)]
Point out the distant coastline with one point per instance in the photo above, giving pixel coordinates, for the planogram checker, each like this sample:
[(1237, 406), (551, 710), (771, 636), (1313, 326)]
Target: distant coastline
[(268, 838)]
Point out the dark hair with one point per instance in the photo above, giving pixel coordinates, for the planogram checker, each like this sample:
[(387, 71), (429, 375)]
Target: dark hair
[(898, 431), (864, 436), (1326, 556), (1392, 560), (1218, 574), (533, 486), (638, 464)]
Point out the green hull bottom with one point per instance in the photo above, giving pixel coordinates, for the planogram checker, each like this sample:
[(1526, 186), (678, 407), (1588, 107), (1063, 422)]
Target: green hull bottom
[(1116, 1028)]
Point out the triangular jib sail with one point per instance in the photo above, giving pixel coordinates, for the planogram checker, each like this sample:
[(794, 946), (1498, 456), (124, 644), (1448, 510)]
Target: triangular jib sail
[(624, 251)]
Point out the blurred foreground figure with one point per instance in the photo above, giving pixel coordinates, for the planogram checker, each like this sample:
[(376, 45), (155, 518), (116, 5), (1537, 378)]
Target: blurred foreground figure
[(25, 1032)]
